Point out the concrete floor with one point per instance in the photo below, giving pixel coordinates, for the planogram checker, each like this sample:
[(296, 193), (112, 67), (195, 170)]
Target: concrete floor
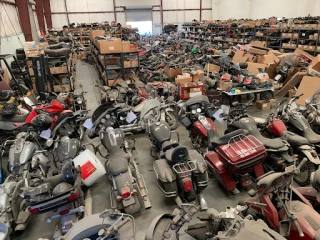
[(215, 196)]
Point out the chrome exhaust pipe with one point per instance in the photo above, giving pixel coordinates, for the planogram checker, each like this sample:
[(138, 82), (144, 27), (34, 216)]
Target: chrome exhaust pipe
[(203, 203)]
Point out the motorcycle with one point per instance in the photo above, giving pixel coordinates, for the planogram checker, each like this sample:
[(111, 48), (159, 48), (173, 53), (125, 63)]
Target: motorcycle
[(127, 184), (73, 100), (232, 157), (277, 149), (134, 119), (299, 145), (180, 174), (62, 192), (106, 225), (285, 208), (297, 122), (231, 224), (312, 113)]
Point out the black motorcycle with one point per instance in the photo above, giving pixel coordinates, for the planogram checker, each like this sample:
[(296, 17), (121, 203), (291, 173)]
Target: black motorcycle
[(180, 174)]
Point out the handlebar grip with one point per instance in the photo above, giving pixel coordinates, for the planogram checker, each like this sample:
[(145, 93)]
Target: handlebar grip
[(301, 234), (297, 97)]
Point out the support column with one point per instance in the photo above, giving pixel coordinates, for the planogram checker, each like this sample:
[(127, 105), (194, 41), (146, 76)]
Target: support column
[(47, 12), (40, 15), (23, 7)]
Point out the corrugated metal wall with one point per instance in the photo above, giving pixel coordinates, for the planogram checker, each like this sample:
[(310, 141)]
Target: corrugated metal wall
[(174, 11)]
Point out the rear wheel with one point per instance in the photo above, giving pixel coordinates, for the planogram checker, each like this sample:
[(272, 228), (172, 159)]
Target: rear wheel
[(303, 178)]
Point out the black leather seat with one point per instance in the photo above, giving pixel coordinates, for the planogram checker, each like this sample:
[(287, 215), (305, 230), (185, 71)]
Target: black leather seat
[(176, 155), (312, 137), (119, 163), (274, 143), (168, 144), (216, 140), (294, 139), (15, 118)]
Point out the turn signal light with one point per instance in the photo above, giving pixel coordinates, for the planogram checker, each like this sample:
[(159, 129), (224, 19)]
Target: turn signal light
[(187, 184), (73, 196), (34, 210), (64, 212)]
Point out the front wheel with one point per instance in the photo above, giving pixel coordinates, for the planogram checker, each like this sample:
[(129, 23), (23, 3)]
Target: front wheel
[(172, 120), (303, 178)]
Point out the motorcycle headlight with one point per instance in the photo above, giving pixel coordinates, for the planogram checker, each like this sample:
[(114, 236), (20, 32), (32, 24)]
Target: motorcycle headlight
[(79, 100)]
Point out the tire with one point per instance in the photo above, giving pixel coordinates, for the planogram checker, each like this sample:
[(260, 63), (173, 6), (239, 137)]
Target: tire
[(20, 51), (172, 120), (21, 57), (303, 178)]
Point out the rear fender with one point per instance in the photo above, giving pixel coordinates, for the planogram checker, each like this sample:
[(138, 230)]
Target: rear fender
[(306, 150), (121, 181)]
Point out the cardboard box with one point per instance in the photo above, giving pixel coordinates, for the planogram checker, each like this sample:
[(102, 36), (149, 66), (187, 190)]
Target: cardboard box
[(303, 55), (106, 47), (271, 59), (59, 70), (291, 93), (224, 85), (95, 33), (197, 75), (173, 72), (258, 44), (314, 68), (182, 80), (263, 104), (254, 67), (134, 63), (31, 53), (212, 68), (113, 82), (255, 50), (127, 64), (308, 86), (133, 48), (295, 35), (126, 46)]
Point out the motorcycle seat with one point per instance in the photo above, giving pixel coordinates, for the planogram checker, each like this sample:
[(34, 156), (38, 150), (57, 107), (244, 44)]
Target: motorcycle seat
[(176, 155), (119, 163), (275, 143), (15, 118), (169, 144), (294, 139), (164, 171), (266, 181), (216, 140), (312, 137)]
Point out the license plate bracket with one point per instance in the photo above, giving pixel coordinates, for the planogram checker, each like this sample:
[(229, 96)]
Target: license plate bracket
[(129, 202)]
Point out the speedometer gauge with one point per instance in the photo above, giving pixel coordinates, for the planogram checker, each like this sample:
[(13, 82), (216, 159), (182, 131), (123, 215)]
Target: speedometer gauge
[(193, 111), (199, 110)]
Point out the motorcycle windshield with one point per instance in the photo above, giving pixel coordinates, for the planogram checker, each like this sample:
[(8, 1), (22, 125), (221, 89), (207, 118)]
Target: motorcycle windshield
[(196, 99), (100, 110), (148, 105)]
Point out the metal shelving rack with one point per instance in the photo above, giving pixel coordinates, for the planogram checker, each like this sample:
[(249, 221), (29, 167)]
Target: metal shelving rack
[(207, 34), (105, 67)]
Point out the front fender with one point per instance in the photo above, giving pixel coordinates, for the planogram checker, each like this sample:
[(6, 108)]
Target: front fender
[(306, 150)]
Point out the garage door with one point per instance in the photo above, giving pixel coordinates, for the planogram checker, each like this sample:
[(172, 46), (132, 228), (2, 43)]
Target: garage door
[(138, 14)]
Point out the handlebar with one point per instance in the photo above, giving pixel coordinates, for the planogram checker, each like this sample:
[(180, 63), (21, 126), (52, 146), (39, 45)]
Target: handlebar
[(295, 222)]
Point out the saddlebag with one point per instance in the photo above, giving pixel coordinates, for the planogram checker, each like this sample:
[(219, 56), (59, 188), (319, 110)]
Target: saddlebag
[(220, 171), (200, 175), (165, 177)]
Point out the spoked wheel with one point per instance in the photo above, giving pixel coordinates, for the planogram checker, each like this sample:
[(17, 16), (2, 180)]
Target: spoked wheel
[(303, 178)]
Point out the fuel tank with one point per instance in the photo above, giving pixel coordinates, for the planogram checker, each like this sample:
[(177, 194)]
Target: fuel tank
[(21, 152), (160, 131), (200, 130), (277, 127)]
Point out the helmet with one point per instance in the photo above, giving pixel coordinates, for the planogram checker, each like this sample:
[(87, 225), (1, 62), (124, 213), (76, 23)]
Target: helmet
[(42, 121)]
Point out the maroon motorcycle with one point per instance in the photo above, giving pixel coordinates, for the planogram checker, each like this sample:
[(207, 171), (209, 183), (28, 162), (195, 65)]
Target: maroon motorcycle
[(233, 157)]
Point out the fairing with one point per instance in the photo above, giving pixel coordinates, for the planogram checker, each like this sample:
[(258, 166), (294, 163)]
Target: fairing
[(196, 99)]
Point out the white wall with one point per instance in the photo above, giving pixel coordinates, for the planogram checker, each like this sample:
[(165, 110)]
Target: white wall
[(11, 43)]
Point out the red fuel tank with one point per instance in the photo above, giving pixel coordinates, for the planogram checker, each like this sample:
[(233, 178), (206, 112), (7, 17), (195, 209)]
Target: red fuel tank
[(276, 127), (200, 130)]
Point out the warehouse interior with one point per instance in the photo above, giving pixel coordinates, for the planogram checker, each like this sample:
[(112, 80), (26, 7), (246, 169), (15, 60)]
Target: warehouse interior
[(159, 119)]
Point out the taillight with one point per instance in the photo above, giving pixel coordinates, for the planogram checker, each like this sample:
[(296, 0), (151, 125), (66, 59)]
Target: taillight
[(187, 184), (34, 210), (73, 196), (125, 192), (64, 212)]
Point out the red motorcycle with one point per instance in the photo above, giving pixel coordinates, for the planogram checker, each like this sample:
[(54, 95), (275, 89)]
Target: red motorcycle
[(284, 208), (232, 157)]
